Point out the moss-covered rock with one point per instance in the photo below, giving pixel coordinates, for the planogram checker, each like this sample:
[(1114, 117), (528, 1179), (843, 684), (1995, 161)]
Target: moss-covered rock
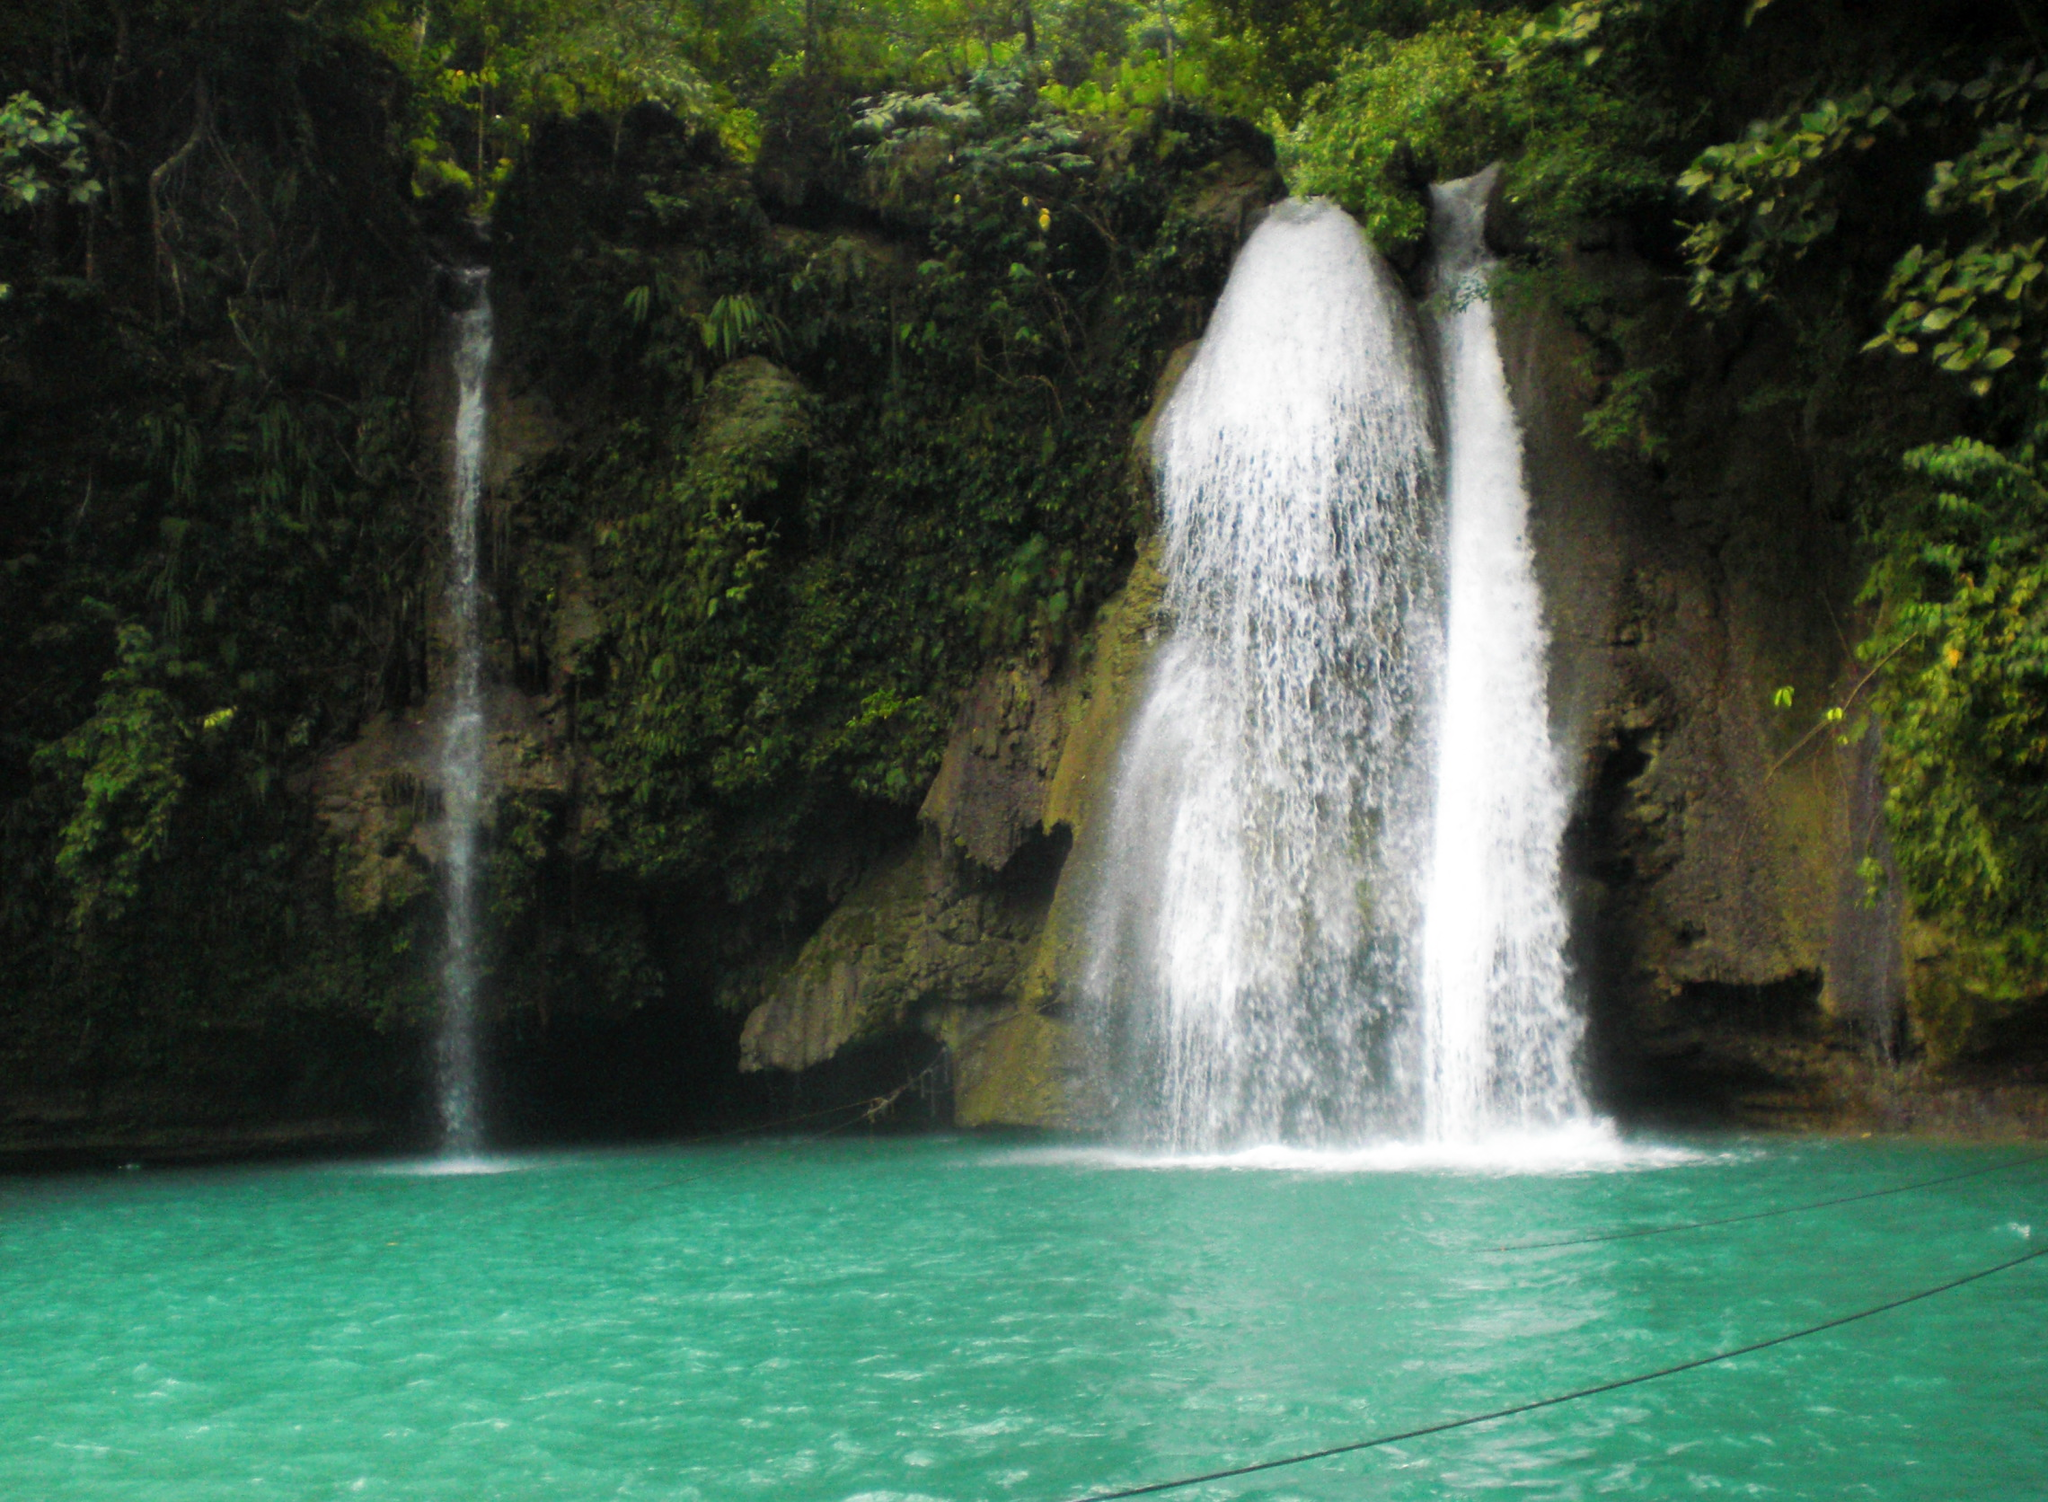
[(969, 933), (756, 422), (972, 933), (380, 797)]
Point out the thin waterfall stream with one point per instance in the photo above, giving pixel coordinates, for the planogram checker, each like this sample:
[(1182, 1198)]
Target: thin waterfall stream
[(460, 733), (1499, 1033)]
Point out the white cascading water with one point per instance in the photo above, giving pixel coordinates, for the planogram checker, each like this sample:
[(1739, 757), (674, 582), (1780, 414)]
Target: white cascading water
[(461, 736), (1499, 1034), (1247, 945)]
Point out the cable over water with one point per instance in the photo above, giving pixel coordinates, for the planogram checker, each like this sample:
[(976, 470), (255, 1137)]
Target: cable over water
[(966, 1318), (864, 1112), (1730, 1220), (1379, 1441)]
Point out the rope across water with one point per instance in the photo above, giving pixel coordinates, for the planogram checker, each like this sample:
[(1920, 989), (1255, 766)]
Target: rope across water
[(868, 1110), (1729, 1220), (1378, 1441), (854, 1113)]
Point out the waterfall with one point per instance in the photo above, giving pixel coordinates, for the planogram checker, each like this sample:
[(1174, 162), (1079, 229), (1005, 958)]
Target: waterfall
[(1498, 1032), (1247, 936), (461, 733)]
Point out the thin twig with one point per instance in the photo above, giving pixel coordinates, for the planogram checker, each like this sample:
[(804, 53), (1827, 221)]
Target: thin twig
[(1861, 683), (162, 173)]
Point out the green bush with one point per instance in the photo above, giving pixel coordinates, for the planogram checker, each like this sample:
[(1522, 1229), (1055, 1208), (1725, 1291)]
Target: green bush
[(1962, 583)]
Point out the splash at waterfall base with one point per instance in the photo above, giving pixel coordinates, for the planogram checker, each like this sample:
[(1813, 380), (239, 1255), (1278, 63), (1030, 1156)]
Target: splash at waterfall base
[(1713, 919)]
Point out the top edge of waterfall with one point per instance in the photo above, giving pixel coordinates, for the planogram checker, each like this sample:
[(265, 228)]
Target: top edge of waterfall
[(1264, 336), (1457, 224), (460, 286)]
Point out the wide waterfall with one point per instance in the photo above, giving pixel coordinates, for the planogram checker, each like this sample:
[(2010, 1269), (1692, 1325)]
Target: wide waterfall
[(1499, 1034), (1329, 901), (1268, 822), (461, 734)]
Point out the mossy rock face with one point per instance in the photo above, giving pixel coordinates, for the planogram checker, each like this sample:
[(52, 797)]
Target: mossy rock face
[(756, 419), (379, 799), (1962, 994), (974, 935), (1018, 1069), (957, 934), (852, 981), (1025, 1066), (990, 794)]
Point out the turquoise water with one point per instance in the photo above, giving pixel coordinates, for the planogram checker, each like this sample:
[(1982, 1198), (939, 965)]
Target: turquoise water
[(948, 1318)]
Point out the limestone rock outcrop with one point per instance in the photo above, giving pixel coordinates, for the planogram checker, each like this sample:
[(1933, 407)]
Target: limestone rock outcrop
[(1720, 933), (965, 932), (380, 798)]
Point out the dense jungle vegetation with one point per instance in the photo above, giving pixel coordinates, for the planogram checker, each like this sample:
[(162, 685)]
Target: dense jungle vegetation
[(845, 310)]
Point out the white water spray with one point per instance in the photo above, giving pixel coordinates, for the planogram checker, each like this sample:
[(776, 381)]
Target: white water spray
[(1499, 1034), (461, 737), (1247, 938)]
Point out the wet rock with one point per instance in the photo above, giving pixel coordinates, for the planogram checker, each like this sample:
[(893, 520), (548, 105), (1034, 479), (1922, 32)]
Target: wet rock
[(970, 933), (1708, 843), (381, 798), (959, 933)]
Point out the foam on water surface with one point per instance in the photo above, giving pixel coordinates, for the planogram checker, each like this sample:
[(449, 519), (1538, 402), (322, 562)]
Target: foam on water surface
[(1580, 1147)]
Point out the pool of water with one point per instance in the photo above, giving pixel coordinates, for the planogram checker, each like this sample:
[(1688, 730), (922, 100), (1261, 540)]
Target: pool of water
[(960, 1319)]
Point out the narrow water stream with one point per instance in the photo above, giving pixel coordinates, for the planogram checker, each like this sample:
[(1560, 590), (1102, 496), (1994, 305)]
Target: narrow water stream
[(1499, 1032), (460, 733)]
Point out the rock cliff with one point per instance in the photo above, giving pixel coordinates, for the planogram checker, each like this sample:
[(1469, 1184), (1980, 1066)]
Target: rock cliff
[(1737, 958), (968, 931)]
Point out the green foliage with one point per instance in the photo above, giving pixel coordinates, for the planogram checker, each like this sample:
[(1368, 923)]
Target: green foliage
[(485, 72), (803, 563), (1626, 421), (1400, 113), (212, 465), (1772, 196), (1269, 55), (1969, 308), (128, 760), (1474, 86), (1974, 308), (1129, 95), (41, 153), (1958, 648), (1963, 633)]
